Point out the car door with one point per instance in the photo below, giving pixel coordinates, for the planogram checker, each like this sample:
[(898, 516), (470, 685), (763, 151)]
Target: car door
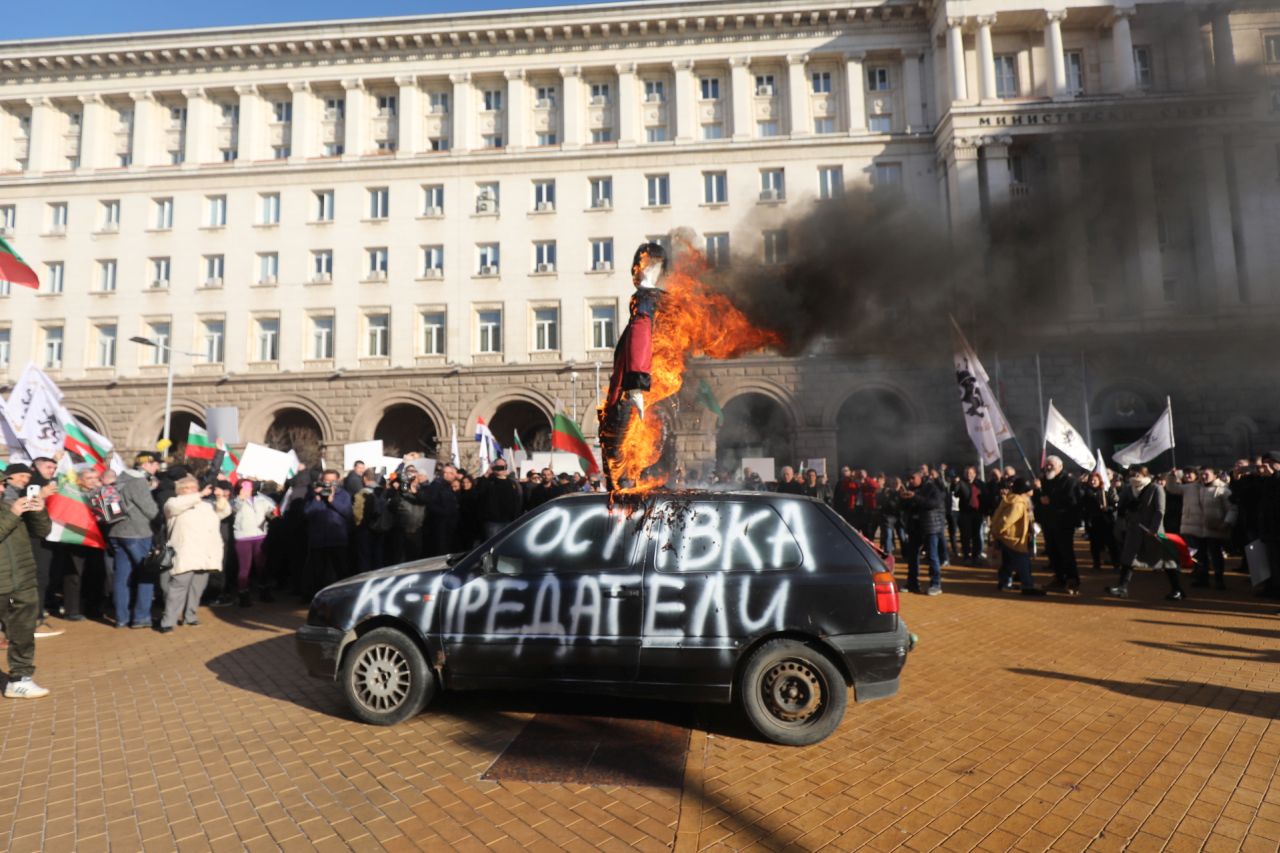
[(557, 599)]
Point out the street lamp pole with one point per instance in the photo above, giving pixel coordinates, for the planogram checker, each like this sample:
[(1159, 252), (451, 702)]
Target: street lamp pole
[(574, 378), (168, 385)]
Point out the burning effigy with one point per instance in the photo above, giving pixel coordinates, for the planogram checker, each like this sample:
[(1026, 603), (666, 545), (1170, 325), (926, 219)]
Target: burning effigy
[(674, 315)]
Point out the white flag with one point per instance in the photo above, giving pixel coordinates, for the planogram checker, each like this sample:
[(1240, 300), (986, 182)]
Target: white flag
[(1064, 437), (454, 456), (17, 453), (1101, 470), (985, 422), (1157, 440), (42, 430), (30, 386)]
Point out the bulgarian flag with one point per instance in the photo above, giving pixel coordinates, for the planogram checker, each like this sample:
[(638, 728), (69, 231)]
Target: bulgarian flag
[(14, 269), (198, 444), (566, 436), (86, 444), (228, 462), (73, 521), (1177, 548)]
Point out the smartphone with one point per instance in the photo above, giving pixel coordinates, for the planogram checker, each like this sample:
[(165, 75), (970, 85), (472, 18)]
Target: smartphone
[(33, 492)]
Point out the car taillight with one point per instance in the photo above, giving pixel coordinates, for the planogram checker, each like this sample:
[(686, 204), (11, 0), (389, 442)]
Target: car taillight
[(886, 592)]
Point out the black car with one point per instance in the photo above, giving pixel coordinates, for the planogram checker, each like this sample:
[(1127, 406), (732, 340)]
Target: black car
[(770, 600)]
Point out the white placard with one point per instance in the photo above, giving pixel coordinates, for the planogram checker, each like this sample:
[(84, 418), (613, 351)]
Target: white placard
[(368, 452), (762, 466), (262, 463), (386, 464), (819, 465), (223, 422)]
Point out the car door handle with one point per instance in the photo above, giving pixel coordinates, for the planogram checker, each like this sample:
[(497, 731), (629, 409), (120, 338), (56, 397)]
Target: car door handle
[(623, 592)]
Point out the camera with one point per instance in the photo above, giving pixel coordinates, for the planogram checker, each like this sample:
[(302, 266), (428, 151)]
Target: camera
[(33, 492), (325, 490)]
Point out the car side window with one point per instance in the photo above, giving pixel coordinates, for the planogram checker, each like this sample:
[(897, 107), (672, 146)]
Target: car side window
[(726, 536), (571, 538)]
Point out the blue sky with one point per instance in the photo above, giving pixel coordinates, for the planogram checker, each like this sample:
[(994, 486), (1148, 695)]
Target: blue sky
[(24, 19)]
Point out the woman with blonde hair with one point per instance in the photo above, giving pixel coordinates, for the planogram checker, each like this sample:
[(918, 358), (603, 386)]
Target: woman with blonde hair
[(195, 534)]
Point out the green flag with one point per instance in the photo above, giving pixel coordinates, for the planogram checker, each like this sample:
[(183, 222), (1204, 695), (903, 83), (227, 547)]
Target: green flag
[(707, 398)]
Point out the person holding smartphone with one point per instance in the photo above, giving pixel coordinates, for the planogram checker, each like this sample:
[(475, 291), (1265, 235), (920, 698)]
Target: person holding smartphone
[(23, 517)]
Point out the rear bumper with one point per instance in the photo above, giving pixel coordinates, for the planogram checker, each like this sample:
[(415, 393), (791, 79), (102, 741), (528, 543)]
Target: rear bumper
[(876, 660), (318, 647)]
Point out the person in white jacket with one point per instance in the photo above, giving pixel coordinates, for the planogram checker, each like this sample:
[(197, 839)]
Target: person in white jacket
[(1206, 507), (195, 534), (253, 511)]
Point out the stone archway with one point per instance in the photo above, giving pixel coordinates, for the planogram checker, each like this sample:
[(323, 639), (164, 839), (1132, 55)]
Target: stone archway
[(149, 427), (528, 419), (754, 424), (1120, 414), (873, 431), (299, 431), (406, 428)]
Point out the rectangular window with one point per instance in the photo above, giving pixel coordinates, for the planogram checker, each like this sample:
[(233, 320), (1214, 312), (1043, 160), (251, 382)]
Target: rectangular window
[(830, 181), (439, 143), (880, 123), (545, 97), (379, 203), (58, 217), (386, 105), (604, 325), (715, 188), (270, 209), (432, 336), (599, 94), (323, 205), (546, 138), (268, 343), (717, 250), (322, 265), (268, 268), (710, 88), (655, 91), (656, 134), (602, 254), (492, 100), (824, 125), (546, 325), (544, 196), (52, 347), (1143, 69), (765, 129), (775, 247), (282, 111), (601, 134), (107, 276), (489, 327), (159, 333), (124, 161), (491, 140), (820, 81), (386, 146), (659, 190), (230, 113), (177, 117), (230, 155), (439, 103), (432, 261), (487, 198), (1075, 72), (1006, 75), (887, 175), (1273, 49), (773, 185), (322, 337), (433, 200), (8, 218), (377, 328), (213, 341), (601, 192), (764, 85), (111, 215), (106, 348), (281, 152), (544, 256), (335, 109), (333, 149), (213, 270), (713, 131), (878, 79), (6, 347), (161, 269), (54, 279), (217, 208), (487, 259), (377, 266)]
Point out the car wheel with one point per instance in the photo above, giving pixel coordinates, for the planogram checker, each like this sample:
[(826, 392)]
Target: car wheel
[(792, 693), (385, 677)]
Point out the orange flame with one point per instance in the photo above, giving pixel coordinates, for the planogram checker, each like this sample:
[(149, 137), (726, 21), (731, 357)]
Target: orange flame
[(692, 320)]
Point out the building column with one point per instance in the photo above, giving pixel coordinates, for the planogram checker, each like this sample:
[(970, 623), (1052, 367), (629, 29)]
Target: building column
[(1253, 165), (1196, 67), (1224, 52), (1057, 60), (628, 103), (93, 133), (741, 92), (572, 112), (1214, 226), (250, 133), (1125, 77), (41, 147), (986, 58), (1073, 249), (958, 76), (147, 122), (964, 191), (408, 116), (353, 124), (997, 178), (686, 100), (798, 96), (198, 140), (461, 118), (912, 93), (1148, 266), (303, 134), (517, 111)]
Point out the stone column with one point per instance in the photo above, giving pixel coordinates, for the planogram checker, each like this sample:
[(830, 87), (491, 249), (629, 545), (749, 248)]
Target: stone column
[(855, 86), (250, 133), (686, 116), (1195, 66), (94, 132), (1254, 163), (628, 105), (1212, 213), (912, 93), (147, 123), (461, 116), (1224, 52), (955, 60), (741, 91), (199, 129), (1073, 248), (303, 129), (1124, 78), (986, 58), (572, 112), (1053, 50), (964, 192), (996, 175), (798, 96), (517, 111), (353, 125), (408, 116), (42, 145), (1147, 276)]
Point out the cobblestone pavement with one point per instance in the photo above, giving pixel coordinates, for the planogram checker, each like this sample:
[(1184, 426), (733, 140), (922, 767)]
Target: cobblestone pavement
[(1027, 724)]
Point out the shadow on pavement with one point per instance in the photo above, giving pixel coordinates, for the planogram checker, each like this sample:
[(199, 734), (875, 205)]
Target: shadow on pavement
[(1215, 650), (1256, 703), (1263, 633)]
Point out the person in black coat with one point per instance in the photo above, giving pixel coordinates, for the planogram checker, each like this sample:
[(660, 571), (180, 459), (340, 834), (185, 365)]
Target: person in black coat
[(1057, 509), (500, 499), (441, 531), (970, 491), (924, 507), (1099, 504)]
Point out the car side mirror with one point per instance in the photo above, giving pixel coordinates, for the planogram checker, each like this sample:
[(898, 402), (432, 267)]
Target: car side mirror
[(488, 563)]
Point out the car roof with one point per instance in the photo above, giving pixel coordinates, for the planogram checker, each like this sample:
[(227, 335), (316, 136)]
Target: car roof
[(686, 495)]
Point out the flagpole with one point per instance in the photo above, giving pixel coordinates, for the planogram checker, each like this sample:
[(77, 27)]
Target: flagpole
[(1084, 383), (1000, 400), (1173, 443), (1040, 398)]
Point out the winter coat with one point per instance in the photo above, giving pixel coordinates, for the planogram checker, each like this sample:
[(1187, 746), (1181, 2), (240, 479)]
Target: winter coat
[(139, 506), (795, 487), (252, 516), (1011, 523), (890, 504), (353, 483), (329, 521), (1063, 510), (1099, 505), (926, 510), (1142, 523), (410, 510), (965, 492), (17, 560), (195, 532), (1204, 508), (442, 518), (499, 500)]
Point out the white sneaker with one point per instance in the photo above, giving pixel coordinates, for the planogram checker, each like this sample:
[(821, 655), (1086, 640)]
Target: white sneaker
[(24, 688), (45, 630)]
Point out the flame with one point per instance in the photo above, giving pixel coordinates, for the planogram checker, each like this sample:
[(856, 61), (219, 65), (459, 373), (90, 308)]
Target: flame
[(692, 320)]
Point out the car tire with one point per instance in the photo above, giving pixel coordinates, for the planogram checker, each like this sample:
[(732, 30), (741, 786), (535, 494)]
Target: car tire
[(792, 693), (386, 678)]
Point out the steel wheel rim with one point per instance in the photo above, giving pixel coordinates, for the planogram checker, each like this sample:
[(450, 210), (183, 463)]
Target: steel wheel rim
[(381, 678), (793, 691)]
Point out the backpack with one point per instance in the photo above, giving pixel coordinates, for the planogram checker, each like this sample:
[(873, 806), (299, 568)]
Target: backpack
[(377, 516)]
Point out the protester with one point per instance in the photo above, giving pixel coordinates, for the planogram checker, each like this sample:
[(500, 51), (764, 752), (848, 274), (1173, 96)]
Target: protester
[(499, 499), (130, 543), (1206, 505), (923, 505), (788, 484), (329, 520), (442, 514), (1013, 531), (1143, 513), (1099, 504), (196, 538), (371, 513), (22, 519), (253, 511), (1057, 511), (354, 481), (891, 530), (408, 505), (968, 491)]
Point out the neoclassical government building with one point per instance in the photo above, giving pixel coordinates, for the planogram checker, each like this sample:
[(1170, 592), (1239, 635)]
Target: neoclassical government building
[(387, 227)]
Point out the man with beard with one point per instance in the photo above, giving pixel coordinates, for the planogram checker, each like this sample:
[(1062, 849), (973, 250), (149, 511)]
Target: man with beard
[(1143, 508), (1057, 511), (923, 505)]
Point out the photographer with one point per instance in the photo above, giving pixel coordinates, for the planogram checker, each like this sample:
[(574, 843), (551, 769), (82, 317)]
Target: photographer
[(329, 518), (408, 508), (22, 519)]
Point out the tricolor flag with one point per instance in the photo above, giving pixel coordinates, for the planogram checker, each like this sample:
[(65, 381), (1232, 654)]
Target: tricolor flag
[(14, 270), (199, 446), (227, 464), (489, 448), (566, 436), (88, 446), (454, 456), (73, 520)]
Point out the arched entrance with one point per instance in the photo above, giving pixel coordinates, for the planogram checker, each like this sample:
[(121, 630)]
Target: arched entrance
[(754, 425), (1121, 415), (296, 430), (872, 432), (405, 428), (179, 425), (527, 419)]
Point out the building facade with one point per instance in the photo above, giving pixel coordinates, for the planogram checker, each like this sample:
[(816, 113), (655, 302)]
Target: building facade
[(393, 226)]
